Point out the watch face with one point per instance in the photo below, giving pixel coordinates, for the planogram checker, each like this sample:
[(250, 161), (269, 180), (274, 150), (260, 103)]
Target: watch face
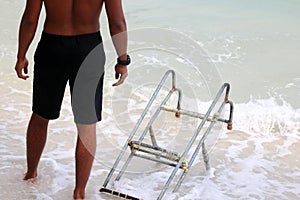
[(128, 59)]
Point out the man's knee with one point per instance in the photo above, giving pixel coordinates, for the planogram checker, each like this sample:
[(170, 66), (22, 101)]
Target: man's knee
[(39, 120), (86, 128)]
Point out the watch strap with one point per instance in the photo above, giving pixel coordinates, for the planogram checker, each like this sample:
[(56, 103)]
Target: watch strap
[(124, 62)]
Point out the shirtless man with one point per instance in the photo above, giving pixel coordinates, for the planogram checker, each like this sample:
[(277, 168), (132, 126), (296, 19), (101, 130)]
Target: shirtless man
[(71, 32)]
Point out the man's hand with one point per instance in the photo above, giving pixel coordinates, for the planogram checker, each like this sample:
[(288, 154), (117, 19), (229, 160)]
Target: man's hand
[(120, 73), (22, 66)]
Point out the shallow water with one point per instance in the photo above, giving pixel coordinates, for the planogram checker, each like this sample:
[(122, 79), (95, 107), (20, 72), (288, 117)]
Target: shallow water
[(253, 45)]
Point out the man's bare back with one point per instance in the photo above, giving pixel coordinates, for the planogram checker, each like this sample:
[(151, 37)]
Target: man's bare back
[(72, 17)]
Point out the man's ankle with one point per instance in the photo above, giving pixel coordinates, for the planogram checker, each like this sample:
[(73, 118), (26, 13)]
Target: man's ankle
[(30, 175), (79, 194)]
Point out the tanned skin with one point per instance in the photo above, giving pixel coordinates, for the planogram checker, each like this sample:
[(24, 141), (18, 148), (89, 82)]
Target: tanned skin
[(68, 17)]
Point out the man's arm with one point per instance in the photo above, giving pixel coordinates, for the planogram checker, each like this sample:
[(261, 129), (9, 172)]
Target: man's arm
[(118, 32), (27, 30)]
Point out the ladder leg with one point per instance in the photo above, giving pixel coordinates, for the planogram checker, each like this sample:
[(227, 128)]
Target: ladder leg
[(205, 157), (153, 139)]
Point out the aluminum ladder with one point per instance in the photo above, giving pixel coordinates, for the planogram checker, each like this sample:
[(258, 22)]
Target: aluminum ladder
[(155, 153)]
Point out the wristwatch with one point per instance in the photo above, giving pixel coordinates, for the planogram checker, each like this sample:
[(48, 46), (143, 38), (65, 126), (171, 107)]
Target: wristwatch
[(124, 62)]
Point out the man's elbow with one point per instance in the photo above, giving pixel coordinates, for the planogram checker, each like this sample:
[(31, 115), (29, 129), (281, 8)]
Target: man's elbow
[(117, 27), (29, 20)]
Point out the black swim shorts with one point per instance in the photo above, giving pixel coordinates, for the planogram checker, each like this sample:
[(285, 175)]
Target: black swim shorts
[(78, 60)]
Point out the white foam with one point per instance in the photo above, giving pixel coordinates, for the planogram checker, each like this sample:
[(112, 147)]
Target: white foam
[(267, 117)]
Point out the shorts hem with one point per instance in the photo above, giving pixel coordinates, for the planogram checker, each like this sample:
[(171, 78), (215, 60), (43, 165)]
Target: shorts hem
[(45, 116), (87, 122)]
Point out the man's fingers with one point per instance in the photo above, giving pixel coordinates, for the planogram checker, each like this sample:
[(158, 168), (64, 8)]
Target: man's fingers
[(23, 76), (20, 74), (22, 66), (26, 70), (120, 73), (121, 80), (118, 83)]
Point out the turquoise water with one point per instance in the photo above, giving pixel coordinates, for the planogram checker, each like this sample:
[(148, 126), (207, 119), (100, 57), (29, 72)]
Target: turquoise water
[(230, 17), (253, 45)]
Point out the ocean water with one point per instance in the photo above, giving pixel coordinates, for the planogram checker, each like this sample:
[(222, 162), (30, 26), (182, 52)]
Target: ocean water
[(253, 45)]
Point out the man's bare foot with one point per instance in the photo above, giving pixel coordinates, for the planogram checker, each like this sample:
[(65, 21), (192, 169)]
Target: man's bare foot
[(78, 195), (32, 177)]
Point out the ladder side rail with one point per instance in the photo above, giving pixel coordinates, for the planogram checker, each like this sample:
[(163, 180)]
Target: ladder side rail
[(225, 85), (192, 159), (125, 165), (201, 142), (154, 95)]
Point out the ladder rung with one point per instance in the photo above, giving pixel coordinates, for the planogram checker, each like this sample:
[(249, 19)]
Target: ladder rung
[(154, 150), (117, 194), (187, 112), (184, 165)]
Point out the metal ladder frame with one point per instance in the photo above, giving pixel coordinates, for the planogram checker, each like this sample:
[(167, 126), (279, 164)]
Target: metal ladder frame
[(161, 155)]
